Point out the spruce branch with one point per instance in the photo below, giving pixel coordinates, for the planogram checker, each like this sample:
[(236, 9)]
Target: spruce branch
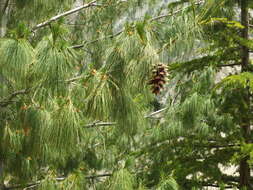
[(47, 22)]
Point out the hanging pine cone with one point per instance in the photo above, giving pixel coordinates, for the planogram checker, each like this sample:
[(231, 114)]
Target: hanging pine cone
[(159, 75)]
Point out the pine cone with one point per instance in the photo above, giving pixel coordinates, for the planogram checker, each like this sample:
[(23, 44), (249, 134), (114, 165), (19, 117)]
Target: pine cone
[(159, 75)]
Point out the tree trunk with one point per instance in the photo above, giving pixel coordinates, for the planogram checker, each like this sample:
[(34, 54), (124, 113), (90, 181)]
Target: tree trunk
[(3, 17), (245, 126), (3, 25)]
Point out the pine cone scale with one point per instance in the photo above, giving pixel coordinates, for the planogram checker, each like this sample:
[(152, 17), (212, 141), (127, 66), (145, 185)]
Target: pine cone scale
[(158, 80)]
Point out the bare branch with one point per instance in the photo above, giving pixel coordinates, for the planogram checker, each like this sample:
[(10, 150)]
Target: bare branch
[(74, 79), (91, 4), (99, 124), (215, 185), (31, 185), (155, 113), (100, 175), (103, 124), (229, 65)]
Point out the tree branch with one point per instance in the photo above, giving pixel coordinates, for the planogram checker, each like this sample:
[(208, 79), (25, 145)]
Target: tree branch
[(100, 175), (30, 185), (102, 124), (74, 79), (229, 65), (211, 183), (99, 124), (175, 12), (216, 185), (155, 113), (91, 4), (212, 146), (121, 31), (96, 40), (21, 186), (13, 95), (5, 7)]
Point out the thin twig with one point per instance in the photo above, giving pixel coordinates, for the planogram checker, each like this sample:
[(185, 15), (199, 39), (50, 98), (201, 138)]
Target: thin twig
[(31, 185), (96, 40), (74, 79), (215, 185), (90, 4), (229, 65), (22, 186), (9, 100), (155, 113), (103, 124), (100, 175), (99, 124), (175, 12)]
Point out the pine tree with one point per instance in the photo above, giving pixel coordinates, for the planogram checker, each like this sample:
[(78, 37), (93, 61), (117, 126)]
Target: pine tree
[(76, 108)]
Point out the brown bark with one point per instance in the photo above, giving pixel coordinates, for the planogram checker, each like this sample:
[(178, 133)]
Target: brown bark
[(245, 126)]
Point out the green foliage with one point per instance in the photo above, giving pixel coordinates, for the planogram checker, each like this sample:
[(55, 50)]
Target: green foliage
[(228, 23), (168, 184), (39, 9), (240, 81), (58, 61), (16, 58), (244, 42), (22, 31), (78, 117), (75, 181), (122, 180), (141, 32)]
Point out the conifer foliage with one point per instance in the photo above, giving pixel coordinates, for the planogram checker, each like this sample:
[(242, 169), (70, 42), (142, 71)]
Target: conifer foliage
[(85, 101)]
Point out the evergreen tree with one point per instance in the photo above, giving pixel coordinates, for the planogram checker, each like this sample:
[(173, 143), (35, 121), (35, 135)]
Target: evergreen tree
[(115, 94)]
